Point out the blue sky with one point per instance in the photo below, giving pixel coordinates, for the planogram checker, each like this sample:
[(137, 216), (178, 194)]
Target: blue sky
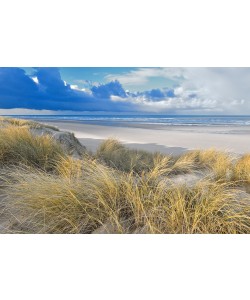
[(123, 90)]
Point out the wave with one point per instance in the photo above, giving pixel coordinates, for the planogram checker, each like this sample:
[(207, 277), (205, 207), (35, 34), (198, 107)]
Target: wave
[(162, 120)]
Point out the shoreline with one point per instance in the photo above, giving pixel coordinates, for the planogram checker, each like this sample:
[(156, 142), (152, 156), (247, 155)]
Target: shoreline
[(173, 140)]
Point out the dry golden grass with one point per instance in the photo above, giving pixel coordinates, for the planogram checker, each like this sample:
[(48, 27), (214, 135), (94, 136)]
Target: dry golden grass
[(122, 190), (241, 170), (183, 164), (69, 167), (19, 145), (71, 202), (6, 121), (81, 199), (15, 122), (117, 156), (219, 162), (162, 206)]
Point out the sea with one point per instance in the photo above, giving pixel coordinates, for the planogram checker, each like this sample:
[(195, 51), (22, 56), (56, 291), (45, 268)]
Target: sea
[(131, 120)]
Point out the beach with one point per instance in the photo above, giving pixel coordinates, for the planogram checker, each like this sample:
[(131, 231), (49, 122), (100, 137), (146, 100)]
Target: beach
[(51, 184), (165, 139)]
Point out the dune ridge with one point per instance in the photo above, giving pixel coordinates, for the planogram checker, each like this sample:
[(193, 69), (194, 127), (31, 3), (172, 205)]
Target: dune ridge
[(50, 183)]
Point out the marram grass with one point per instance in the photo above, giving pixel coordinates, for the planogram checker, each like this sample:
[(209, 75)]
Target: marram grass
[(5, 121), (117, 156), (241, 169), (20, 145), (95, 195), (119, 190)]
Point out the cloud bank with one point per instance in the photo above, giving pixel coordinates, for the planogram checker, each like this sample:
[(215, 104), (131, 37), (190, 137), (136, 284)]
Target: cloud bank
[(195, 90), (45, 90)]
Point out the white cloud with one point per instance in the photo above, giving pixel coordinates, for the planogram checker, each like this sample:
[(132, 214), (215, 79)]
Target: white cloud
[(77, 88), (35, 79), (87, 83), (221, 90), (171, 104), (143, 75), (117, 99), (74, 87), (228, 87), (178, 91)]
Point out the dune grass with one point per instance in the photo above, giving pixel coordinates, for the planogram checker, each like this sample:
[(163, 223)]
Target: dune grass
[(83, 198), (20, 145), (72, 201), (114, 154), (117, 156), (121, 190), (207, 207), (242, 168), (6, 121), (220, 163)]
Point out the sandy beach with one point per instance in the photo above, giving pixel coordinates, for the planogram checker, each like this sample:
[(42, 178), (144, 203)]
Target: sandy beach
[(169, 139)]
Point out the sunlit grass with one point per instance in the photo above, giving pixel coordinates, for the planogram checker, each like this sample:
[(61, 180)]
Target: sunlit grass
[(66, 202), (116, 155), (241, 170), (220, 163), (121, 190), (6, 121), (94, 195), (19, 145)]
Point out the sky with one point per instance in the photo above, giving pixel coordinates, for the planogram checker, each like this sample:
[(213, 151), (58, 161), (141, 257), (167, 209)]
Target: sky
[(125, 90)]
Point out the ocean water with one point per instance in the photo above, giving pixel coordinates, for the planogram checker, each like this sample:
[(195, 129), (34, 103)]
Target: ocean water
[(142, 120)]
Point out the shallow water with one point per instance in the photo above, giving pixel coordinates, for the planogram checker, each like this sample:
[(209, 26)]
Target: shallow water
[(146, 120)]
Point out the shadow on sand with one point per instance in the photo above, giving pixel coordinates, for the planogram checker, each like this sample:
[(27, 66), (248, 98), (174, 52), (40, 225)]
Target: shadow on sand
[(92, 145)]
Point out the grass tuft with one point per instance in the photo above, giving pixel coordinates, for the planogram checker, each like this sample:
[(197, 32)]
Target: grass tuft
[(219, 162), (66, 202), (6, 121), (241, 170), (19, 145), (97, 196), (117, 156)]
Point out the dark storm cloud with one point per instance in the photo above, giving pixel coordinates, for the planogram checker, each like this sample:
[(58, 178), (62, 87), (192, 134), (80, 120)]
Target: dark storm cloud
[(155, 94), (113, 88), (15, 87), (18, 90)]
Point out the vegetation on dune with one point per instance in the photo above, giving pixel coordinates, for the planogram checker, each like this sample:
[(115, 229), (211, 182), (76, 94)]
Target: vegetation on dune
[(118, 190), (207, 207), (117, 156), (20, 145), (241, 170), (71, 201), (5, 121), (219, 162), (224, 166), (93, 195), (114, 154)]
